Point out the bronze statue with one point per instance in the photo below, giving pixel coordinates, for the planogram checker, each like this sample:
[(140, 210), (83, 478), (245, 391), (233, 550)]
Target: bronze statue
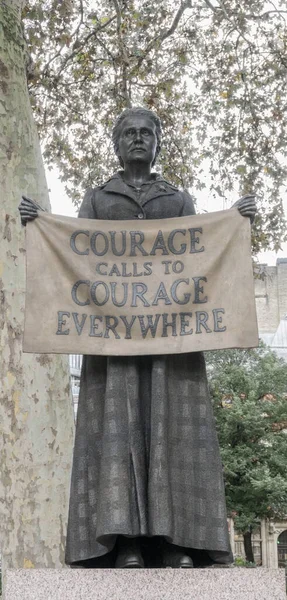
[(147, 486)]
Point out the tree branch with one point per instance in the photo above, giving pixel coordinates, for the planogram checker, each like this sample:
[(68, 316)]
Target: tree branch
[(103, 45), (81, 19), (268, 12), (119, 15), (123, 53), (216, 9), (82, 44), (213, 8), (167, 33), (176, 20), (222, 8)]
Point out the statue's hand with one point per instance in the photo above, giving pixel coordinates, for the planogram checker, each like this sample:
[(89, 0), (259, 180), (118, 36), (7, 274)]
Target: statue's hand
[(28, 210), (246, 206)]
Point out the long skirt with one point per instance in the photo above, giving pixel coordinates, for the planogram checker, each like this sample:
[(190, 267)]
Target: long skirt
[(146, 457)]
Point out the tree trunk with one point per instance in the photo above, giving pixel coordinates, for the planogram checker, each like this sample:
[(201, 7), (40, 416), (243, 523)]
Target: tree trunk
[(248, 546), (36, 409)]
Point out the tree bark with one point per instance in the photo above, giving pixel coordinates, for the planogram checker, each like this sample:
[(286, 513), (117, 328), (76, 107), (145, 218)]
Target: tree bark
[(36, 408), (248, 546)]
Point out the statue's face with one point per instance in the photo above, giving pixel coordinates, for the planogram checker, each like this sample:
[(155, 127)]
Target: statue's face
[(138, 141)]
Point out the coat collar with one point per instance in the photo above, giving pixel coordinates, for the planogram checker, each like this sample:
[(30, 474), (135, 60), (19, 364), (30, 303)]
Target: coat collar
[(157, 186)]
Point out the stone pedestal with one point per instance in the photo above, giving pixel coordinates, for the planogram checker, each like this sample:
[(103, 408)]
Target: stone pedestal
[(146, 584)]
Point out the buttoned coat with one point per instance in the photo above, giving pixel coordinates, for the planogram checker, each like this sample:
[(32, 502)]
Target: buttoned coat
[(115, 199), (146, 457)]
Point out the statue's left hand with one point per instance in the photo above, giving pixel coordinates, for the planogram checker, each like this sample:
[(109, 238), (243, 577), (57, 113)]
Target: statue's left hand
[(246, 206)]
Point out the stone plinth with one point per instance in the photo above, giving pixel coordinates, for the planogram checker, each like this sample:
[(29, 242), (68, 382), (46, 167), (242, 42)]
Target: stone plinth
[(146, 584)]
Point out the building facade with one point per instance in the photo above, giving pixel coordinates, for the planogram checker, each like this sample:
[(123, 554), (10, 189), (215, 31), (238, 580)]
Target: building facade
[(271, 305), (269, 544)]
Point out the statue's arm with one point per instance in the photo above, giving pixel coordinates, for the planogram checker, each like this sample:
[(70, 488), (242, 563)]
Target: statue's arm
[(28, 210), (188, 205), (87, 207)]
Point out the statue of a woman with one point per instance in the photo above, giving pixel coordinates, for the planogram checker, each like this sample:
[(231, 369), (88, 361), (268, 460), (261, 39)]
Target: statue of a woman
[(147, 475)]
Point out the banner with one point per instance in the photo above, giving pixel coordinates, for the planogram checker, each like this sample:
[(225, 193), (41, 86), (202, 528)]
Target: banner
[(129, 288)]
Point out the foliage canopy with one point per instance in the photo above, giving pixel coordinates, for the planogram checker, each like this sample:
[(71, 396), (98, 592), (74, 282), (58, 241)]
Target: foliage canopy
[(214, 71), (252, 432)]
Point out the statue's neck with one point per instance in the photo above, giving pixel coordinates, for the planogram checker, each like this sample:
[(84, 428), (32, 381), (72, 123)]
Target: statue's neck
[(137, 173)]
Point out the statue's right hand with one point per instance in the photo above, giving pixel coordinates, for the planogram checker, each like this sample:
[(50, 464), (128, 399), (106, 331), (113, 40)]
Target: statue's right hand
[(28, 210)]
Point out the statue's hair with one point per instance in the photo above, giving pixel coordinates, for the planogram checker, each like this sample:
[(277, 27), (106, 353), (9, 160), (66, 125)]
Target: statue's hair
[(129, 112)]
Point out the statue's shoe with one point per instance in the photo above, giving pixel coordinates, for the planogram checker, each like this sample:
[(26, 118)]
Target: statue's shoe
[(175, 558), (129, 560), (129, 554)]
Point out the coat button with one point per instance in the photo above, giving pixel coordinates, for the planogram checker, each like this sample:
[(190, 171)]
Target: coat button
[(140, 216)]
